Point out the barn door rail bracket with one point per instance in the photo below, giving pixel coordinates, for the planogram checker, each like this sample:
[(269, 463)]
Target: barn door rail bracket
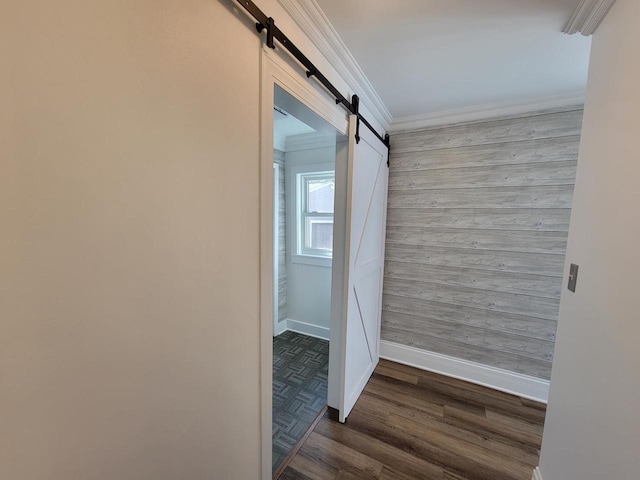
[(274, 33)]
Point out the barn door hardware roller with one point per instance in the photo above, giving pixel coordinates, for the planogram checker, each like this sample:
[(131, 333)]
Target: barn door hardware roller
[(355, 103), (273, 32)]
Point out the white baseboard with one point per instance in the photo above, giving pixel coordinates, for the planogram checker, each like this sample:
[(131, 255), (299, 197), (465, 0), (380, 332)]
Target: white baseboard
[(280, 328), (308, 329), (537, 475), (492, 377)]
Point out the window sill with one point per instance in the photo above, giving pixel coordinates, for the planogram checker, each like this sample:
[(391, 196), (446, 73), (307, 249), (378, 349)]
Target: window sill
[(312, 260)]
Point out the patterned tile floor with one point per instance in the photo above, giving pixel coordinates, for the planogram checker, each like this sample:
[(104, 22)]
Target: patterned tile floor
[(300, 365)]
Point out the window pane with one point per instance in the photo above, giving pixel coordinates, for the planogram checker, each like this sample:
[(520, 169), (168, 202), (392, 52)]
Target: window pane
[(320, 191), (319, 233)]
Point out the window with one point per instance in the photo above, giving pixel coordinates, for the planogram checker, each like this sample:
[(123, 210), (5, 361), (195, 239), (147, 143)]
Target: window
[(314, 195)]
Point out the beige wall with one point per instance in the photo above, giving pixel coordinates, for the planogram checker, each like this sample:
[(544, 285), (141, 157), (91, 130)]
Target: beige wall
[(129, 332), (592, 429)]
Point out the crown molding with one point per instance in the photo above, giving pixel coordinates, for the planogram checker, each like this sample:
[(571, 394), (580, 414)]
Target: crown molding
[(587, 16), (308, 141), (483, 112), (312, 20)]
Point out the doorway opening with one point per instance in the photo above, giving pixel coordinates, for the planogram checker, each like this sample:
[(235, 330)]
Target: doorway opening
[(353, 268), (304, 192)]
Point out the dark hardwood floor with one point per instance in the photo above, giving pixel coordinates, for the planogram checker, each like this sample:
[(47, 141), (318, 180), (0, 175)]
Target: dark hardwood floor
[(410, 424)]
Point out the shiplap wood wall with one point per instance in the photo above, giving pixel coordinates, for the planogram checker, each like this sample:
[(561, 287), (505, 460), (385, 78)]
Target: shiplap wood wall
[(477, 224), (278, 158)]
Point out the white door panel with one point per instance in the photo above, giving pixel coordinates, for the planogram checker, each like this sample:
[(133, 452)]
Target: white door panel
[(366, 225)]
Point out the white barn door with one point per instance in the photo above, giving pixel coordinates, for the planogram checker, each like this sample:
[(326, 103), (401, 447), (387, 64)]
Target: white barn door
[(364, 261)]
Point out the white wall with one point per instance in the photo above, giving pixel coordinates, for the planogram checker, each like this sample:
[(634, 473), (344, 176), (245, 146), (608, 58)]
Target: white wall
[(129, 269), (308, 286), (592, 430)]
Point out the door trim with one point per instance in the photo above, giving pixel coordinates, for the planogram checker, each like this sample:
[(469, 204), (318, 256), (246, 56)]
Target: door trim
[(277, 71)]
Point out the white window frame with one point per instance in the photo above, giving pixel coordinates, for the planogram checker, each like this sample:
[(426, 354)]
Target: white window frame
[(300, 254), (303, 229)]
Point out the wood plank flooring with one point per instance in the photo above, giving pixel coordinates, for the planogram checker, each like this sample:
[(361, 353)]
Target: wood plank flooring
[(412, 424)]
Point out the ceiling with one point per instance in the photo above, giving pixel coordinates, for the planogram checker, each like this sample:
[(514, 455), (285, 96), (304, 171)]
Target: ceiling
[(426, 56), (286, 125), (293, 120)]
